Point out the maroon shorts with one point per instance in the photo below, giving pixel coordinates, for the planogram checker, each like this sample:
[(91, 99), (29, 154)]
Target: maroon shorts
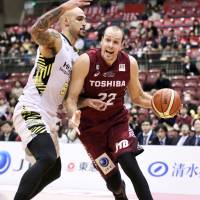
[(107, 140)]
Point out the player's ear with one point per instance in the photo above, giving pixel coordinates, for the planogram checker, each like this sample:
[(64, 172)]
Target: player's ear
[(122, 45), (66, 21), (63, 21)]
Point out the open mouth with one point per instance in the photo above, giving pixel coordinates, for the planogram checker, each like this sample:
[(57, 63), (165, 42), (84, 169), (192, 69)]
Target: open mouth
[(83, 30), (109, 52)]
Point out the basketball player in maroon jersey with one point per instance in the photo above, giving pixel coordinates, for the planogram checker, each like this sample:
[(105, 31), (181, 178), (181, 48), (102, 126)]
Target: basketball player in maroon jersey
[(106, 74)]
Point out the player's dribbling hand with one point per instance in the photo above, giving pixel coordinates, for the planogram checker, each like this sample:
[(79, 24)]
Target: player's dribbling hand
[(76, 3), (97, 104), (74, 122)]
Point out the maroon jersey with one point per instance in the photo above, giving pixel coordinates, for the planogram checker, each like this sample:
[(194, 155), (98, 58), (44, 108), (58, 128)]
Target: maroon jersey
[(107, 83), (106, 134)]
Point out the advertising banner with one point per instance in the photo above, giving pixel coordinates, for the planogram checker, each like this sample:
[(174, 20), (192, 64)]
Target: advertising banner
[(168, 169)]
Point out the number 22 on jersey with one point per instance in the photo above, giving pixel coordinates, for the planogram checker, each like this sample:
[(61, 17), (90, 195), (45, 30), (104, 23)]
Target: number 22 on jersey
[(108, 98)]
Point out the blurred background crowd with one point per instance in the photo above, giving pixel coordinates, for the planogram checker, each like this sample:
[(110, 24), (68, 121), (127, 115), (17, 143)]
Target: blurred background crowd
[(164, 37)]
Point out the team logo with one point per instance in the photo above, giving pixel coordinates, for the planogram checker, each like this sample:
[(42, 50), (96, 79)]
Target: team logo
[(122, 68), (105, 163), (97, 67), (5, 161), (96, 74), (109, 74), (66, 68), (158, 169), (121, 145)]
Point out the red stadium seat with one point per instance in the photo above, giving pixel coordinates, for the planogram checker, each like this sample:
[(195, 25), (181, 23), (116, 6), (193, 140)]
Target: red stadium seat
[(168, 22), (179, 77), (15, 75), (24, 74), (11, 81), (178, 82), (2, 82)]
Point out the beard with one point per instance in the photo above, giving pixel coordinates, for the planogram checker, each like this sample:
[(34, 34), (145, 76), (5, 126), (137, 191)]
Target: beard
[(82, 34)]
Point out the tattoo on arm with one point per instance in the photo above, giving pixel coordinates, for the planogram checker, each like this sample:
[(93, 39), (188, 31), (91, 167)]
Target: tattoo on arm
[(39, 29)]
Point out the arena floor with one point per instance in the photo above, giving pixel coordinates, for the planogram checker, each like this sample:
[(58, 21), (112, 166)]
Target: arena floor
[(7, 193)]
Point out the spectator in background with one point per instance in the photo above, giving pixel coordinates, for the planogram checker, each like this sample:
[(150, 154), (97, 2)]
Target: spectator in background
[(162, 39), (196, 27), (7, 132), (195, 139), (183, 135), (153, 29), (190, 67), (163, 81), (196, 115), (17, 90), (162, 136), (3, 107), (167, 53), (172, 39), (155, 15), (183, 117), (147, 135)]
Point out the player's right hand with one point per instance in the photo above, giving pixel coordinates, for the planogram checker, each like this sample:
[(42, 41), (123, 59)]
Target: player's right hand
[(76, 3), (97, 104)]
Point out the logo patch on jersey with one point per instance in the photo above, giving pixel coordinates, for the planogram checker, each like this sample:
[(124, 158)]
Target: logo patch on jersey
[(122, 68), (97, 71), (96, 74), (66, 68), (109, 74), (105, 163), (97, 67), (121, 145)]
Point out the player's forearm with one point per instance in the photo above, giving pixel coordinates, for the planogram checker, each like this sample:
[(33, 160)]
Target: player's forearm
[(144, 100), (71, 106)]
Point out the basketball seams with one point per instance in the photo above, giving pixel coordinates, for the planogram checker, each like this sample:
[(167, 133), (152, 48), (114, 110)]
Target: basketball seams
[(154, 107), (161, 103), (172, 96)]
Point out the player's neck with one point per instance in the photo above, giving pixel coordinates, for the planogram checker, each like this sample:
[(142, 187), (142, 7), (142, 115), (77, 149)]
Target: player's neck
[(110, 62), (71, 38)]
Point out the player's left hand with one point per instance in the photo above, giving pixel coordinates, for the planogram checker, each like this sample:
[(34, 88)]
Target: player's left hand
[(97, 104), (76, 3), (75, 121)]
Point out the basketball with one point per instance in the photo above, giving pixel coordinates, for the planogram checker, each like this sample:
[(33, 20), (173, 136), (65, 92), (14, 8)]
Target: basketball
[(166, 103)]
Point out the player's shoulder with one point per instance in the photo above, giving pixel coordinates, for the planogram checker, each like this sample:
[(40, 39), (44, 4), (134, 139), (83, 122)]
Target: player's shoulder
[(83, 58), (94, 55), (93, 51), (132, 59), (125, 55)]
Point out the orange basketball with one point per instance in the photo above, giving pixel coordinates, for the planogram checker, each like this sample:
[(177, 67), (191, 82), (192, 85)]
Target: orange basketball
[(166, 103)]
